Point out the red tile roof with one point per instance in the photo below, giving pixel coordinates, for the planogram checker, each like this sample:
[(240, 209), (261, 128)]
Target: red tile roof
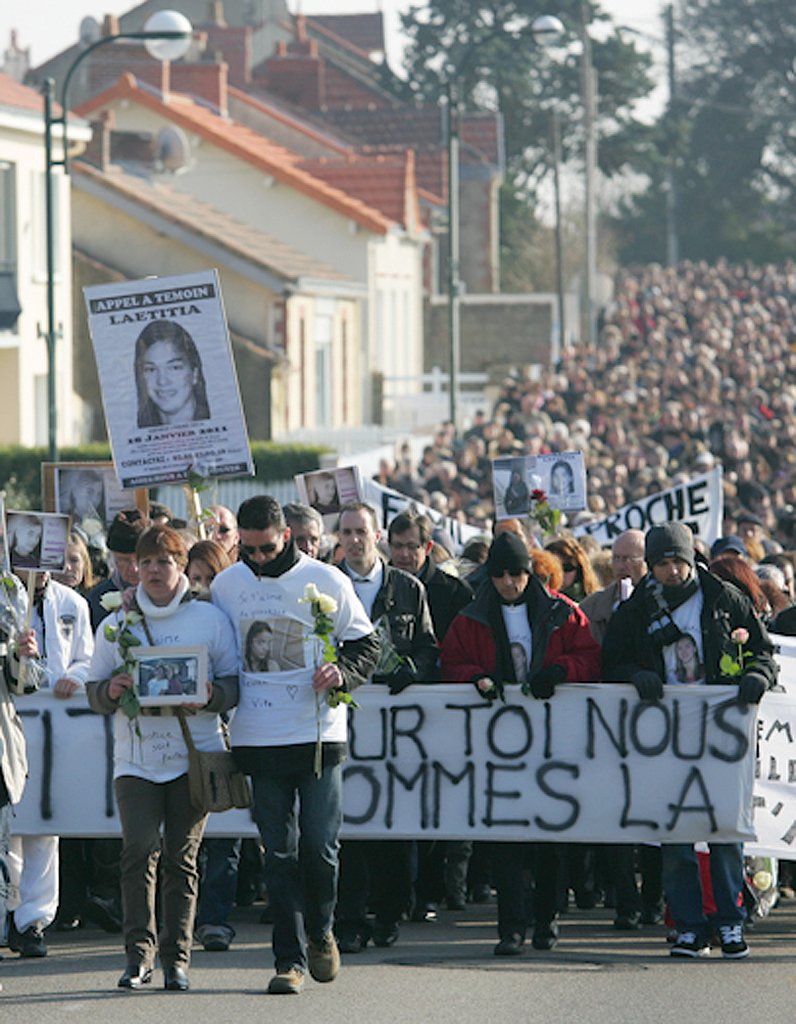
[(243, 143), (363, 31), (19, 97), (386, 182)]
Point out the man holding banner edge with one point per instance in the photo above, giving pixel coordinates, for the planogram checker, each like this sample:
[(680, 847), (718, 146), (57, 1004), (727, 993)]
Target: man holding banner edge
[(675, 601)]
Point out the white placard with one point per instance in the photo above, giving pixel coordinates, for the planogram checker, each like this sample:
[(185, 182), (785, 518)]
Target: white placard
[(169, 387), (562, 478), (37, 540), (699, 503)]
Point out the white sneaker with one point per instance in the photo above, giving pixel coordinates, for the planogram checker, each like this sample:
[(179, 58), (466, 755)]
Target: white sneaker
[(733, 944), (689, 944)]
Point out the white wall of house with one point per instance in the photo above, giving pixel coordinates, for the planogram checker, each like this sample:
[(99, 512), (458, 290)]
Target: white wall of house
[(23, 354)]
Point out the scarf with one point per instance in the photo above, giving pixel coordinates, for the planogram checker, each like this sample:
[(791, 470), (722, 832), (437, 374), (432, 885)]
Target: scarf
[(285, 560), (156, 611)]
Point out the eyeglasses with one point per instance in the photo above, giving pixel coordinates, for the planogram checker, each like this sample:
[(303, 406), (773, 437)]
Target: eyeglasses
[(396, 546), (514, 573), (222, 529), (569, 567), (252, 549)]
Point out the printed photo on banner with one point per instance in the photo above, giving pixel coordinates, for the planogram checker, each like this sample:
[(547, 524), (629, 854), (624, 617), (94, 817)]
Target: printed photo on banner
[(171, 675), (276, 644), (37, 540), (326, 490), (5, 564), (518, 481), (168, 336), (89, 493)]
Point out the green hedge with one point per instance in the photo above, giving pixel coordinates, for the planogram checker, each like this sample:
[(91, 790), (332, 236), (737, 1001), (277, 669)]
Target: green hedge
[(20, 468)]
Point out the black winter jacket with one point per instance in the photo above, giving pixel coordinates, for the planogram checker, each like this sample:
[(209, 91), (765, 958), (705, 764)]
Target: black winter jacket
[(627, 647)]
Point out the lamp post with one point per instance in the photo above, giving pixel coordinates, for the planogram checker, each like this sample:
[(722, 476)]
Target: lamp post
[(545, 30), (167, 36)]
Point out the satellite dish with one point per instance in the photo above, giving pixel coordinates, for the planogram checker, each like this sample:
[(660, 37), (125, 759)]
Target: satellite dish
[(172, 149), (89, 31)]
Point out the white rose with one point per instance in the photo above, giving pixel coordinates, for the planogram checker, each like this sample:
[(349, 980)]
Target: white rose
[(311, 592), (327, 604), (111, 602)]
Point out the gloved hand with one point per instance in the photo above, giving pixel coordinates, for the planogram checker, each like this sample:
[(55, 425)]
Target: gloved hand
[(543, 684), (649, 685), (751, 688), (399, 680)]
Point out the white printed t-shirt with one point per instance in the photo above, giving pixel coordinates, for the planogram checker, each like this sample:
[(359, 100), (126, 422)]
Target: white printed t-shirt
[(278, 652)]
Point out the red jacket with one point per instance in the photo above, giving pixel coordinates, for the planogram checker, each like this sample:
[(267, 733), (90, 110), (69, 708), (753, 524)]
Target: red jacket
[(560, 631)]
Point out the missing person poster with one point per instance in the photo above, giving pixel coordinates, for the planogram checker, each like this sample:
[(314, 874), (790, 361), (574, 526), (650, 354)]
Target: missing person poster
[(168, 381), (518, 480)]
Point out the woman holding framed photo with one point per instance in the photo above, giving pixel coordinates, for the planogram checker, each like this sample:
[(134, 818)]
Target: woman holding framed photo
[(151, 758)]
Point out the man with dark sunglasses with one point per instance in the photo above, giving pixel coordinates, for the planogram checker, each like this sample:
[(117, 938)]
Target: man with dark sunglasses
[(282, 715), (516, 632)]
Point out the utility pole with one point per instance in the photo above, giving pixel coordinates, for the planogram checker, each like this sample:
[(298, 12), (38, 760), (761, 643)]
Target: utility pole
[(589, 94), (672, 238)]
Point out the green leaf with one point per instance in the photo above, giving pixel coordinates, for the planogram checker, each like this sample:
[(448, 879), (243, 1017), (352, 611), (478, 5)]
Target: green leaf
[(729, 666)]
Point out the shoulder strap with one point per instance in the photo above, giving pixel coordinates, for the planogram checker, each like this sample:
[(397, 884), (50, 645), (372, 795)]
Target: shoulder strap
[(186, 732)]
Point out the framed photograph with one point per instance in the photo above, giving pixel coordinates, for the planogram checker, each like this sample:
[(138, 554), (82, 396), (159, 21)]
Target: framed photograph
[(37, 540), (326, 490), (89, 493), (168, 381), (171, 675)]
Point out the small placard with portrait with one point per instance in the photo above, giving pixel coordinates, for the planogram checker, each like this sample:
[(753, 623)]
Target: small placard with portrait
[(560, 476), (37, 540), (327, 490)]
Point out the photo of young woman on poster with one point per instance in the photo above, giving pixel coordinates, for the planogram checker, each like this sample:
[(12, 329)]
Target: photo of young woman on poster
[(169, 377)]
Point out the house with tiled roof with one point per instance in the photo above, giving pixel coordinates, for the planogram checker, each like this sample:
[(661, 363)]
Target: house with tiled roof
[(357, 215), (326, 70), (23, 276), (274, 294)]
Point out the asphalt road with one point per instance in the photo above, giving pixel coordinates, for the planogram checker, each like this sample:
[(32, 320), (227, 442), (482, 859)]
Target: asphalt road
[(442, 973)]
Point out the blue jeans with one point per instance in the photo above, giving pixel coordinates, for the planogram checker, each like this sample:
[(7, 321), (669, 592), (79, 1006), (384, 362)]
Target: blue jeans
[(218, 860), (299, 818), (5, 874), (683, 889)]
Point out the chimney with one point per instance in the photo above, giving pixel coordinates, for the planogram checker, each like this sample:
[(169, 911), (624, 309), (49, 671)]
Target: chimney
[(98, 150), (110, 25), (207, 81), (216, 14)]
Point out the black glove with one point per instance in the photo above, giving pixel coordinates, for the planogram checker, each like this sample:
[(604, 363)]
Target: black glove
[(649, 685), (490, 695), (751, 688), (543, 684), (399, 680)]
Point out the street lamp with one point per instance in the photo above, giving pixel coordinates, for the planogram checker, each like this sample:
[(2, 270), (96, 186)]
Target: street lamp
[(546, 30), (167, 36)]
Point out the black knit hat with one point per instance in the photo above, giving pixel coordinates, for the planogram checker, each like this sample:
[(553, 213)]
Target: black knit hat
[(508, 552), (669, 540), (124, 531)]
